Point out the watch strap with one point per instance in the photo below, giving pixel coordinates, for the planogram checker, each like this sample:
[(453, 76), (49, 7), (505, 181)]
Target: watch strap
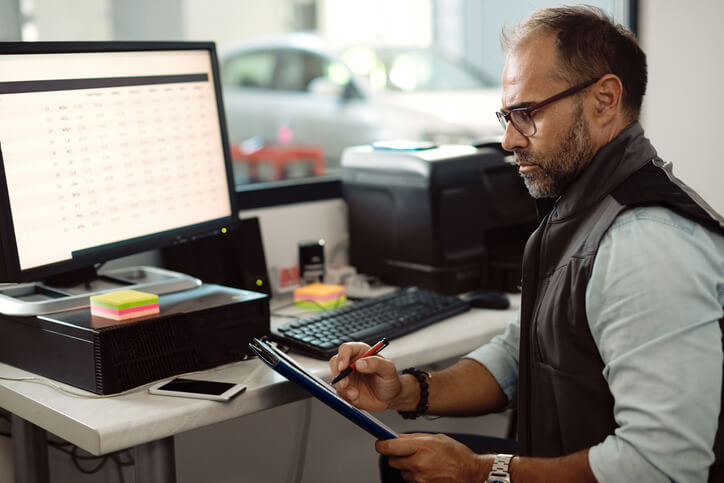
[(501, 467)]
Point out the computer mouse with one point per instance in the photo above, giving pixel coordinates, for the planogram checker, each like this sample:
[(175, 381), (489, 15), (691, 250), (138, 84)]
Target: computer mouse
[(486, 299)]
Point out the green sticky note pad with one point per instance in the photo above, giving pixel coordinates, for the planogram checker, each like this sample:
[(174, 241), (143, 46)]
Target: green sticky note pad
[(124, 299)]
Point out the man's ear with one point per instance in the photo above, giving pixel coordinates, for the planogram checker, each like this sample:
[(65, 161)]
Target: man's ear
[(607, 99)]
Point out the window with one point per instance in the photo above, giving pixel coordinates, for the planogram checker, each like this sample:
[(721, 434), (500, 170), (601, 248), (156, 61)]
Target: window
[(253, 70), (298, 94), (298, 69)]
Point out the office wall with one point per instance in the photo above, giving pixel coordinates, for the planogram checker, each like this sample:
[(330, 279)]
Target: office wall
[(283, 227), (682, 111)]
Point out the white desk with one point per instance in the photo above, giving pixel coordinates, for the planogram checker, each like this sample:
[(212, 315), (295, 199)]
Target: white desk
[(148, 423)]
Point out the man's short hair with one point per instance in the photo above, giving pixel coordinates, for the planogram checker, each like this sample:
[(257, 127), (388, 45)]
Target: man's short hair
[(589, 45)]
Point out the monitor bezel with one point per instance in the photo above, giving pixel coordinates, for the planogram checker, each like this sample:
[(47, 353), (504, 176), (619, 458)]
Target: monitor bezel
[(10, 270)]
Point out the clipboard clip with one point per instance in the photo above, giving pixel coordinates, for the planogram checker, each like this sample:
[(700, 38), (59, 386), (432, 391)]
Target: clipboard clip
[(263, 351)]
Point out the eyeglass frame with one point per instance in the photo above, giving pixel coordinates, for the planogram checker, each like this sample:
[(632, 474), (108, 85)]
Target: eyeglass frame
[(504, 118)]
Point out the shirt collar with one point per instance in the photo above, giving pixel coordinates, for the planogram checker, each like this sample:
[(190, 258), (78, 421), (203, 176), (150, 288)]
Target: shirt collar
[(612, 164)]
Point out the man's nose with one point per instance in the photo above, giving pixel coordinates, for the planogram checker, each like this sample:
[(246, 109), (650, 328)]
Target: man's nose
[(513, 138)]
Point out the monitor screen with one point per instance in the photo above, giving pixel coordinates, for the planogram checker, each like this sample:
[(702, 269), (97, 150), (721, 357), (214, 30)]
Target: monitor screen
[(108, 149)]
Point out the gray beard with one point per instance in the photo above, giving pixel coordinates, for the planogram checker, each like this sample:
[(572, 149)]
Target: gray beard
[(559, 169)]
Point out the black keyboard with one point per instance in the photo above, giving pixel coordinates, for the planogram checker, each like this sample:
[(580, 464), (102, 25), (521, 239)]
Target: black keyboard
[(391, 315)]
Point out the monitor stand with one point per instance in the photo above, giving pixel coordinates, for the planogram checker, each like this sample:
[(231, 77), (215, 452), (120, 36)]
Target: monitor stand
[(42, 298)]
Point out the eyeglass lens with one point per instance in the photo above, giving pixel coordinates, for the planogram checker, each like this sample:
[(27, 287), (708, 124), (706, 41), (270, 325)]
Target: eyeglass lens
[(501, 120), (521, 121)]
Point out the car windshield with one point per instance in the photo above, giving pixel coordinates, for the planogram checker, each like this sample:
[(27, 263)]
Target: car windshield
[(410, 70)]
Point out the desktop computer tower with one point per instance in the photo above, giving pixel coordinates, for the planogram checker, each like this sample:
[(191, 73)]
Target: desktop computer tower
[(234, 259), (196, 329), (449, 218)]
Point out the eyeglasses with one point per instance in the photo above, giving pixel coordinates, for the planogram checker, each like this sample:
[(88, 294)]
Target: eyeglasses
[(522, 118)]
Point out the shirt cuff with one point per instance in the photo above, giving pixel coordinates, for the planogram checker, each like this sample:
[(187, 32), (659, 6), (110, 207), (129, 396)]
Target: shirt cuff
[(504, 368)]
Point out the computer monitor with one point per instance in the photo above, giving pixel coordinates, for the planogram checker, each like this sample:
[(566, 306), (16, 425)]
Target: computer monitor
[(108, 149)]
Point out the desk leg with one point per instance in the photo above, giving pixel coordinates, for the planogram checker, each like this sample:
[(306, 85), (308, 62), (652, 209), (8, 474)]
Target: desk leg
[(155, 462), (30, 448)]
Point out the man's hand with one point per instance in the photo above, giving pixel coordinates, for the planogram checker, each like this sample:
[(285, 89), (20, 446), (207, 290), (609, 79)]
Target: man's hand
[(423, 458), (374, 383), (434, 457)]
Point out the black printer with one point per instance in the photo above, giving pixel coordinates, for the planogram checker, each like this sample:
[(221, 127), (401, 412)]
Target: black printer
[(451, 218)]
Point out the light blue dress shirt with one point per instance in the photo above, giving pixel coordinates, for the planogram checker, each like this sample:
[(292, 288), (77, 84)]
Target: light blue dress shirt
[(653, 304)]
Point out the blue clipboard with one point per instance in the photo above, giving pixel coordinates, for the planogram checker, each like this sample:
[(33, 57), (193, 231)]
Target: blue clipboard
[(289, 368)]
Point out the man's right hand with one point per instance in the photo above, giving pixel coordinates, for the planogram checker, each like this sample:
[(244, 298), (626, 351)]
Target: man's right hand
[(373, 385)]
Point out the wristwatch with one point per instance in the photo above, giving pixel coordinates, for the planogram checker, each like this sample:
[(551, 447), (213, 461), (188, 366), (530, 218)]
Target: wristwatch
[(499, 473)]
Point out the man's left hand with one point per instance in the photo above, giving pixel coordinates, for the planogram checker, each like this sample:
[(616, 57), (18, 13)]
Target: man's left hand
[(423, 458)]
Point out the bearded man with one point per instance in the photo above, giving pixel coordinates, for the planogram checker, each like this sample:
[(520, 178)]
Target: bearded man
[(615, 362)]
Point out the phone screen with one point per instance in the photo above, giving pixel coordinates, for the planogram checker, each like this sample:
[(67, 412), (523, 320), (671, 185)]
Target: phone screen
[(200, 387)]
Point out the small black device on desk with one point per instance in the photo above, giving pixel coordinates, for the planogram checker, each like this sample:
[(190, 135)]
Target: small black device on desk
[(391, 315)]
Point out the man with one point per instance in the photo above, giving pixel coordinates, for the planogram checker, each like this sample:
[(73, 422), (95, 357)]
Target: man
[(616, 360)]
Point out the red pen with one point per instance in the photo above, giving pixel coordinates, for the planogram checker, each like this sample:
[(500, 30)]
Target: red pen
[(375, 349)]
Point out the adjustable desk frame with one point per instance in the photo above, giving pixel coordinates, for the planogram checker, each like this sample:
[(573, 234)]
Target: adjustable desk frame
[(154, 461)]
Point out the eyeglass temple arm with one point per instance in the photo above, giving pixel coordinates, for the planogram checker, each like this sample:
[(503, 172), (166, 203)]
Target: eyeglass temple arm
[(560, 95)]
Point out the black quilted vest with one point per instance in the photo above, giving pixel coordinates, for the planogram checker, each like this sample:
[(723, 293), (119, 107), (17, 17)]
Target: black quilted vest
[(564, 403)]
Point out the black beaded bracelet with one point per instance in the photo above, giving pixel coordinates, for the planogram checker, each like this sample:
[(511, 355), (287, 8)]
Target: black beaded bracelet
[(421, 408)]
